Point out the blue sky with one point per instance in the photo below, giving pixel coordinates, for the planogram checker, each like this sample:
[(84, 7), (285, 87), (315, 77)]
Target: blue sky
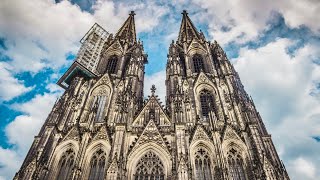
[(274, 45)]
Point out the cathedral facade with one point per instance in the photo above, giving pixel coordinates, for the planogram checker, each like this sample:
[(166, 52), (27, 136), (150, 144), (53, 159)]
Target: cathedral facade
[(102, 127)]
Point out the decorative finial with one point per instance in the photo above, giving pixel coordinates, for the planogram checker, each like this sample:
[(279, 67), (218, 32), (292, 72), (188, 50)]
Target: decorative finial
[(184, 12), (132, 13), (153, 89)]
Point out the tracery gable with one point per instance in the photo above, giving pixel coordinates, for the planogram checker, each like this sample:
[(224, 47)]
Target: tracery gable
[(115, 46), (196, 45), (73, 134), (102, 134), (230, 134), (137, 120), (104, 80), (203, 79), (151, 134), (200, 134)]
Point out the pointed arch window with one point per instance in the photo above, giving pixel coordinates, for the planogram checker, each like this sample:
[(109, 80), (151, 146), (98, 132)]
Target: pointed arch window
[(236, 166), (97, 165), (198, 63), (203, 165), (112, 64), (206, 102), (66, 165), (149, 167), (98, 106)]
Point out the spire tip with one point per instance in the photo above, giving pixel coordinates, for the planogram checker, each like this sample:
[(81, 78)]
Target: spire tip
[(184, 12), (132, 13)]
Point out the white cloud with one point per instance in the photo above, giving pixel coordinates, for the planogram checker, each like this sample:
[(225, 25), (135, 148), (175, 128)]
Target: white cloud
[(306, 169), (34, 112), (10, 87), (241, 21), (9, 163), (21, 131), (280, 85), (40, 33)]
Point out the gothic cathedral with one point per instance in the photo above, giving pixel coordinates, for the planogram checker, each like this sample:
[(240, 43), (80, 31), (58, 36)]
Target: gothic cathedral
[(102, 127)]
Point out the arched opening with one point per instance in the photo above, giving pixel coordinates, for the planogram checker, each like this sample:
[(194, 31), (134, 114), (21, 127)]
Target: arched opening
[(97, 165), (98, 106), (112, 64), (66, 165), (149, 167), (206, 102), (236, 165), (203, 166), (198, 63)]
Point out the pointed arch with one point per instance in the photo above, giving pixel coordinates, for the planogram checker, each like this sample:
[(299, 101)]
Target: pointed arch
[(63, 159), (236, 165), (235, 153), (97, 165), (207, 98), (100, 98), (149, 167), (112, 64), (201, 160), (198, 63), (96, 159), (66, 164), (207, 103), (135, 156)]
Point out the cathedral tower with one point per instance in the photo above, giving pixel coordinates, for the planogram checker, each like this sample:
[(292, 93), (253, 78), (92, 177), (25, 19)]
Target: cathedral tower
[(103, 128)]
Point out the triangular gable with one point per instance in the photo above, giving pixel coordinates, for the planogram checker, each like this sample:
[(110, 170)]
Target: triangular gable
[(102, 134), (196, 44), (115, 46), (229, 133), (203, 79), (150, 134), (104, 80), (200, 134), (139, 118), (182, 164), (73, 134), (113, 168)]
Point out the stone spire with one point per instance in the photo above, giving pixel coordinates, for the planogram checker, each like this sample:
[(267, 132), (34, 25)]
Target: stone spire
[(127, 32), (187, 30)]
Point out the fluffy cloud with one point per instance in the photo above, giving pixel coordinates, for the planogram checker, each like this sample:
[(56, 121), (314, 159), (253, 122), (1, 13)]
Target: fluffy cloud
[(27, 126), (242, 21), (40, 33), (282, 86), (13, 87)]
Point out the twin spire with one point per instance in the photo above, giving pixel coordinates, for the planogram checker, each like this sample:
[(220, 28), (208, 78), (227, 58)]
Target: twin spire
[(127, 31), (187, 32)]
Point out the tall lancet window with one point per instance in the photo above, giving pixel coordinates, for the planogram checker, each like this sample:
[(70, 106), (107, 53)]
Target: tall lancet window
[(236, 166), (206, 102), (98, 105), (203, 165), (198, 63), (97, 165), (149, 167), (112, 64), (66, 165)]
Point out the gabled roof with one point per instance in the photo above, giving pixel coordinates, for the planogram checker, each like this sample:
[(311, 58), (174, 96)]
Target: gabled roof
[(152, 99)]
